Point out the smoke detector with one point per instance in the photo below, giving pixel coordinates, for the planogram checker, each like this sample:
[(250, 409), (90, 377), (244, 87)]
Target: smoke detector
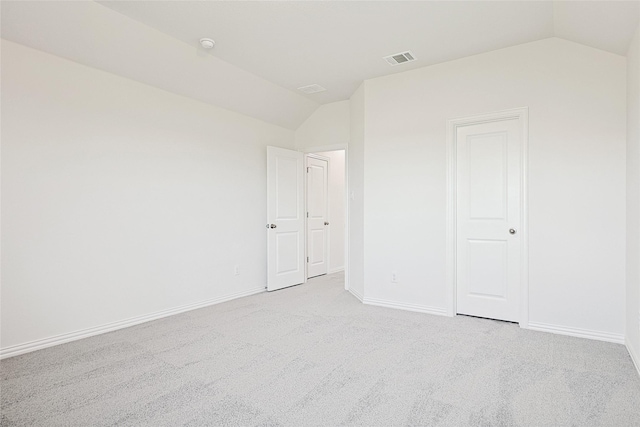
[(314, 88), (400, 58), (207, 43)]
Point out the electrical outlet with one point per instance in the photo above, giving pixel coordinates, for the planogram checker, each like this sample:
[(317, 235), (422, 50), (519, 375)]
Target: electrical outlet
[(236, 271), (394, 277)]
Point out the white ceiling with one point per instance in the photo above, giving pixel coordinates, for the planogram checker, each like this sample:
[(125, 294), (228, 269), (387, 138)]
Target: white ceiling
[(265, 50), (340, 44), (88, 33), (606, 25)]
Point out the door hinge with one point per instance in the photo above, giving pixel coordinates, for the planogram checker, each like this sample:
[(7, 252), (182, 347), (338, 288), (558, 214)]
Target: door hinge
[(307, 214), (307, 259), (307, 169)]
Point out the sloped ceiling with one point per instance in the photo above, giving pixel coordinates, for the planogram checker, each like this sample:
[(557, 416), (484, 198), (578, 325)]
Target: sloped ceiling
[(265, 50), (94, 35)]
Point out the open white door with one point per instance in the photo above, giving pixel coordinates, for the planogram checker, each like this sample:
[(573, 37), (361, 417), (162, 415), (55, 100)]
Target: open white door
[(317, 215), (285, 217)]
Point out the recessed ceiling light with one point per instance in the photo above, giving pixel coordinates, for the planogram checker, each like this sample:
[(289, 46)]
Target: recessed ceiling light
[(207, 43), (314, 88)]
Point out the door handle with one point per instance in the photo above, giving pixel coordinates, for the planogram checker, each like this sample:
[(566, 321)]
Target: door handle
[(512, 231), (326, 223), (271, 226)]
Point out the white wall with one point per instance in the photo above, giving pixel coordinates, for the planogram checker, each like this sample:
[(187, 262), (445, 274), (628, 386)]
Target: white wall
[(336, 208), (577, 114), (633, 198), (327, 126), (355, 171), (120, 200)]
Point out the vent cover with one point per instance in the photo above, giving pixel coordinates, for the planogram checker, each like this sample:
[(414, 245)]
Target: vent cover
[(400, 58), (311, 89)]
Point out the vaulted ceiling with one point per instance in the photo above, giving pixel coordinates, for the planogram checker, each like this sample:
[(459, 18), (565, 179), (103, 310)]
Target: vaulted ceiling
[(265, 50)]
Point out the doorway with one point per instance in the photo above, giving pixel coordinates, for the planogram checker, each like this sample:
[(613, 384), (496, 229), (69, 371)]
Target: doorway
[(326, 212), (286, 228), (487, 226)]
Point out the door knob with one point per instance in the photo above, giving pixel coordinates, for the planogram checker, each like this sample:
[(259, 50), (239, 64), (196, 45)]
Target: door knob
[(271, 226), (512, 231), (326, 223)]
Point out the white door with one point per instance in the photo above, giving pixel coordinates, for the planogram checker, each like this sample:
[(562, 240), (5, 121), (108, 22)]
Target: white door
[(488, 218), (317, 221), (285, 217)]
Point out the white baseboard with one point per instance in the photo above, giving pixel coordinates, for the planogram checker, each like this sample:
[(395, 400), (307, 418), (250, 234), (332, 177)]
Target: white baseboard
[(577, 332), (18, 349), (633, 352), (335, 270), (635, 355), (356, 294), (439, 311)]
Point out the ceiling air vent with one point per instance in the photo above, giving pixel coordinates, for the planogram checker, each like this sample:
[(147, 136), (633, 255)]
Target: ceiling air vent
[(400, 58), (311, 89)]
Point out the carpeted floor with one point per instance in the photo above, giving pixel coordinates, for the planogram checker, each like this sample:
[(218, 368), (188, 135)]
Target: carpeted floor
[(313, 355)]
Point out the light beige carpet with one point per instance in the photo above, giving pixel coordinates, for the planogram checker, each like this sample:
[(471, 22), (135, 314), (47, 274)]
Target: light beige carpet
[(313, 355)]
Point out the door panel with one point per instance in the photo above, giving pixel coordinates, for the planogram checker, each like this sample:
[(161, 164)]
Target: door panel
[(285, 228), (286, 197), (287, 243), (487, 272), (316, 247), (488, 206), (487, 167), (317, 208)]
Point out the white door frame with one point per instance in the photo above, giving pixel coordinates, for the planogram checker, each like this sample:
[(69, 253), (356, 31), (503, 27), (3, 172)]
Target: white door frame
[(522, 115), (336, 147)]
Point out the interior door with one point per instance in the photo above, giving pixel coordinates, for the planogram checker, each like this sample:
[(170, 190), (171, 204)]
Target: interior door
[(285, 217), (488, 218), (317, 213)]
